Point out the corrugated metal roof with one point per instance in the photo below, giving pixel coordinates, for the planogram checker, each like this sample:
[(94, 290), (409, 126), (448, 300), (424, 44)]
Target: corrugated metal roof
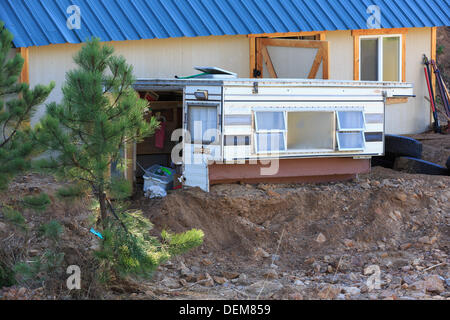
[(43, 22)]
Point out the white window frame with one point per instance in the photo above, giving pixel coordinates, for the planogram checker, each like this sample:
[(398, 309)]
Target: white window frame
[(265, 131), (218, 122), (351, 130), (380, 54)]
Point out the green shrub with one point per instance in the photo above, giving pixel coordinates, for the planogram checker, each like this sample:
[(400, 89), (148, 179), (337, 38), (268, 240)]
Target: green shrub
[(14, 217), (71, 192), (6, 276), (39, 269), (37, 203), (137, 253), (120, 188), (51, 230)]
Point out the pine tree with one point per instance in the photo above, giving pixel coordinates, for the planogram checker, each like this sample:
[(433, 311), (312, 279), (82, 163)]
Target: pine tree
[(17, 104), (99, 114)]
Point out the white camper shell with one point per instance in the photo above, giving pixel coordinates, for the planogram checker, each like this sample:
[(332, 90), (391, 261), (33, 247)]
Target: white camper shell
[(277, 118)]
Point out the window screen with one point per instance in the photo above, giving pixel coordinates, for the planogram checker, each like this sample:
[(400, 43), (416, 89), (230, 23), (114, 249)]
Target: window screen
[(350, 120), (270, 142), (369, 59), (391, 59), (350, 140), (350, 134), (270, 121), (202, 124), (270, 131)]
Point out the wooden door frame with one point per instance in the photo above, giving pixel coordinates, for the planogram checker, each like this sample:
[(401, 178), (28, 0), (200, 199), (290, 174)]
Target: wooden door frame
[(259, 52)]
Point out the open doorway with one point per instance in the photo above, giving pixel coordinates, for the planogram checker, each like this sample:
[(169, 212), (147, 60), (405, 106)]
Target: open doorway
[(167, 107)]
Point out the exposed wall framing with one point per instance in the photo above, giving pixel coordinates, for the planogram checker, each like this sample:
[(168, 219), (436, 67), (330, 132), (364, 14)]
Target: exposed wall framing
[(257, 52), (433, 57)]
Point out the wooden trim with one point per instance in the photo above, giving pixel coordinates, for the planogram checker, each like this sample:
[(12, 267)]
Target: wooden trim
[(321, 36), (356, 47), (396, 100), (259, 62), (252, 48), (404, 58), (316, 64), (25, 74), (326, 61), (365, 32), (288, 34), (268, 61), (292, 43), (355, 57)]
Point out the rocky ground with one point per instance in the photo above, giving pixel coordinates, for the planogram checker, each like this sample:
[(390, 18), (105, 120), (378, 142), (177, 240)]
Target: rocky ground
[(327, 241), (384, 235)]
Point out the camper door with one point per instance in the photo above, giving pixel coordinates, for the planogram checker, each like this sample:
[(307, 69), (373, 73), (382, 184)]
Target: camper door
[(202, 141)]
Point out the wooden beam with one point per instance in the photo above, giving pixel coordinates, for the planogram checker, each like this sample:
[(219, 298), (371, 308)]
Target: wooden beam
[(355, 57), (366, 32), (286, 34), (291, 43), (268, 61), (25, 74), (316, 64), (252, 48), (321, 36), (259, 58), (326, 60), (396, 100), (404, 58)]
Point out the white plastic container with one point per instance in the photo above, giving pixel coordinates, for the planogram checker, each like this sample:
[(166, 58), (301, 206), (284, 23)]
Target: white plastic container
[(158, 176)]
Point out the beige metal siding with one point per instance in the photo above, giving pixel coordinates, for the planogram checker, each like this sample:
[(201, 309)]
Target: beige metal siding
[(170, 57), (157, 58)]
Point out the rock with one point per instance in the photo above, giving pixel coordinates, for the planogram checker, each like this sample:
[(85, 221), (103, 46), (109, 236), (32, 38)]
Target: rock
[(170, 283), (230, 275), (353, 291), (401, 196), (267, 287), (310, 260), (299, 283), (425, 240), (349, 243), (295, 296), (434, 284), (3, 227), (187, 274), (321, 238), (219, 280), (208, 281), (242, 279), (183, 282), (329, 292), (387, 295), (405, 246), (271, 274), (261, 253), (206, 262), (365, 185)]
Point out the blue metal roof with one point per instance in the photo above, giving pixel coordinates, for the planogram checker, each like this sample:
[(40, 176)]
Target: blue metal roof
[(43, 22)]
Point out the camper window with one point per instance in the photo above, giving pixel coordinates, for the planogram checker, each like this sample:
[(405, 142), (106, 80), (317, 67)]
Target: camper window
[(270, 131), (380, 58), (202, 124), (350, 134)]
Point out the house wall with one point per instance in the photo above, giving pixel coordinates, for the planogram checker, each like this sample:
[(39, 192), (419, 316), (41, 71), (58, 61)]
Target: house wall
[(165, 58), (405, 118), (154, 58)]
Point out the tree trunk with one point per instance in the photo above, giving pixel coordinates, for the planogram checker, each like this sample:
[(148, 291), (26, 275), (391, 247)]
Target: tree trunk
[(102, 201)]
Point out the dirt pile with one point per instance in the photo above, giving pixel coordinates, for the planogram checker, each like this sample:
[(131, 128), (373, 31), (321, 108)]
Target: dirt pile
[(241, 218)]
